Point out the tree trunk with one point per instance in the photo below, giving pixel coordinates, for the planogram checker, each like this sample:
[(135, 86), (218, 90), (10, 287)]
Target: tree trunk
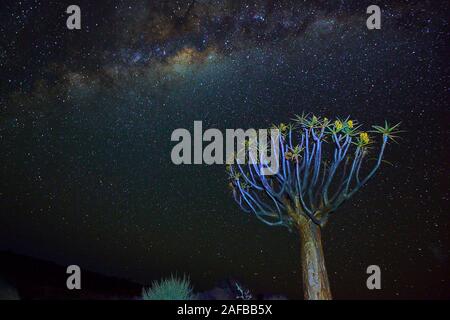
[(315, 278)]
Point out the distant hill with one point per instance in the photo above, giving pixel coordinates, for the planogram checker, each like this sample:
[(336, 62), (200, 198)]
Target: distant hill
[(30, 278), (27, 278)]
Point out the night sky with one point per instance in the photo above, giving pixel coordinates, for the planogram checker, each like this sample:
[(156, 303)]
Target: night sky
[(87, 115)]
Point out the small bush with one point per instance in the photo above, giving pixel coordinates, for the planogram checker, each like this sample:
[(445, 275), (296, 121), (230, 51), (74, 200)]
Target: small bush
[(172, 288)]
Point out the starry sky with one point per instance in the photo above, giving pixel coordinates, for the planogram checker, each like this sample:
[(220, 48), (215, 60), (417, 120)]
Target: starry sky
[(87, 115)]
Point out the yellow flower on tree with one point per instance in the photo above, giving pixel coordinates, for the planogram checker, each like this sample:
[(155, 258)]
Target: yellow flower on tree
[(350, 124), (288, 155), (364, 138), (338, 124)]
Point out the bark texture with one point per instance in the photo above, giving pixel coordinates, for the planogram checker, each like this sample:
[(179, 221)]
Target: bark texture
[(315, 278)]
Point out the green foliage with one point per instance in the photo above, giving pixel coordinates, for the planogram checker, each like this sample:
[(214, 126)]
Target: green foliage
[(388, 130), (173, 288)]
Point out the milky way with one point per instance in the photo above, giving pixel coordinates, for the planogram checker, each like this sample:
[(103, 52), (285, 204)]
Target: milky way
[(86, 119)]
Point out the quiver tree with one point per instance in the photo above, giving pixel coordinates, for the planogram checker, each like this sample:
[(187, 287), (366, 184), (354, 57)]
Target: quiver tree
[(322, 163)]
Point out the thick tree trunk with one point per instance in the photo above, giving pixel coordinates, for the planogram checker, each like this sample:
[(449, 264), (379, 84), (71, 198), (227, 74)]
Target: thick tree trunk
[(315, 278)]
